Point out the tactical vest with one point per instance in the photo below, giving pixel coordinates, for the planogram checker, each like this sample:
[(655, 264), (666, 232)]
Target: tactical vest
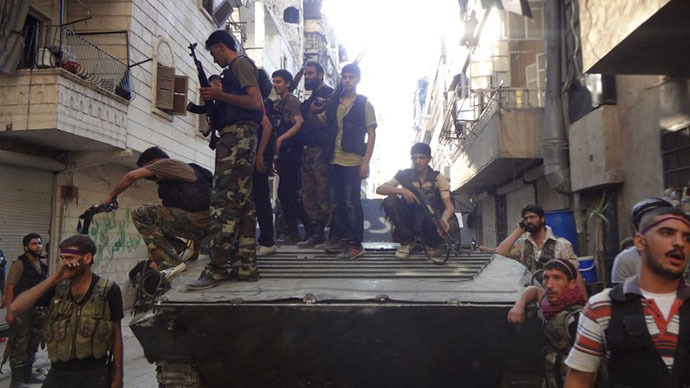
[(76, 331), (230, 114), (284, 124), (559, 340), (30, 277), (190, 196), (634, 361), (548, 253), (428, 187), (354, 127), (314, 136)]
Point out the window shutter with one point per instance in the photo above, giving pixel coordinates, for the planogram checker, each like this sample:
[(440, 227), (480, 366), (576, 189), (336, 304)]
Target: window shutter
[(165, 77), (180, 95)]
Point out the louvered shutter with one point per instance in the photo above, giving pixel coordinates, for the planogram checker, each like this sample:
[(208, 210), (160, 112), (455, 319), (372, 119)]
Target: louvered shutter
[(180, 95), (165, 77)]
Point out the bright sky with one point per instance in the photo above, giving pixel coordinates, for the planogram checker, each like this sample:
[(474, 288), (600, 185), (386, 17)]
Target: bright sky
[(402, 39)]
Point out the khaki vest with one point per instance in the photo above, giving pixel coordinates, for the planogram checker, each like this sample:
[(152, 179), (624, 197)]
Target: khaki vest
[(558, 344), (79, 332)]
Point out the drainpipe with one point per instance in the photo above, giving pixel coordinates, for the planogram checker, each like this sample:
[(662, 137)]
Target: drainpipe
[(554, 134)]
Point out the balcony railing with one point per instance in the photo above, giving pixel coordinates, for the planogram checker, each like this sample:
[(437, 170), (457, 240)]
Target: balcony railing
[(480, 105), (57, 46)]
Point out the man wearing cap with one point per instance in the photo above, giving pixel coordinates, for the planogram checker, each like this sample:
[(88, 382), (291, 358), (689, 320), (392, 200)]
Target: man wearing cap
[(627, 262), (641, 328), (240, 111), (559, 303), (83, 333), (404, 208)]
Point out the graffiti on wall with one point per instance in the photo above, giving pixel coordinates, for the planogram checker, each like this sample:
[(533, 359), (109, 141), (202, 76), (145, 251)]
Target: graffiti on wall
[(109, 232)]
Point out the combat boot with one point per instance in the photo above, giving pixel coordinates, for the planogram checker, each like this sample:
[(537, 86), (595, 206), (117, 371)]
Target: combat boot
[(18, 378), (30, 377)]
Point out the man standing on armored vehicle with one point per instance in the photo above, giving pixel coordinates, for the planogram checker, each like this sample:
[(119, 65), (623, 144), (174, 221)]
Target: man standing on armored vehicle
[(351, 123), (83, 333), (314, 190), (559, 302), (404, 208), (185, 190), (239, 113), (27, 271)]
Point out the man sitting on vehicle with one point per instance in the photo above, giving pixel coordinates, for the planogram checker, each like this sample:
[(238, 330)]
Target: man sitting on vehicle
[(405, 210), (559, 303), (185, 190)]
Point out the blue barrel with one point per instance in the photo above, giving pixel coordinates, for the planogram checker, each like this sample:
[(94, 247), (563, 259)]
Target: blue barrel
[(588, 268), (562, 223)]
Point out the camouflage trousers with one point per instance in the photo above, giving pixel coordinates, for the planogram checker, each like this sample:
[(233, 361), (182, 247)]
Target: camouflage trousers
[(232, 204), (25, 336), (314, 190), (160, 226)]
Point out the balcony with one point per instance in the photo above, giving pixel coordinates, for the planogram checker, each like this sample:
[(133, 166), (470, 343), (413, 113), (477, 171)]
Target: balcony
[(635, 37), (503, 141), (69, 94)]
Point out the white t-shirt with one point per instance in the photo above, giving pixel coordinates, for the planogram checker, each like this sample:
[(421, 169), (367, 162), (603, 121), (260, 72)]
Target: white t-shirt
[(663, 301)]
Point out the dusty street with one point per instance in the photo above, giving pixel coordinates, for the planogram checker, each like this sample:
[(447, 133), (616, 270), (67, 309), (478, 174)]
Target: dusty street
[(138, 372)]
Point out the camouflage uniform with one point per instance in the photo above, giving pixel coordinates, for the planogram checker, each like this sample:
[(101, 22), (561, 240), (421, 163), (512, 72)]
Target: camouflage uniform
[(25, 337), (232, 205), (159, 226), (314, 191)]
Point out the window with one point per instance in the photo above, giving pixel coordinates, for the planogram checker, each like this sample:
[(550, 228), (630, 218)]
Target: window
[(31, 34), (518, 27), (169, 90), (675, 154)]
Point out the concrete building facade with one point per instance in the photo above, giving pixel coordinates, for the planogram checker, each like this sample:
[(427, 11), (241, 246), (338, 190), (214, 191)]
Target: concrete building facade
[(627, 116), (82, 101)]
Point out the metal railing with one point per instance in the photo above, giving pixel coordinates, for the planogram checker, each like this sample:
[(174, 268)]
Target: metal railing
[(482, 104), (57, 46)]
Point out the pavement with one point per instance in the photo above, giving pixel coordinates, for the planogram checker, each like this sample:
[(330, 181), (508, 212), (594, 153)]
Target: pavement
[(138, 372)]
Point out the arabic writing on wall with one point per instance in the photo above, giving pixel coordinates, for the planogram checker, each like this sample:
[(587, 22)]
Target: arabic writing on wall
[(110, 235)]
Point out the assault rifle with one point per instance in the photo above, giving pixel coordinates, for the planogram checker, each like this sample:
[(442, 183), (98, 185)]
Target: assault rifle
[(435, 219), (87, 216), (298, 77), (208, 108)]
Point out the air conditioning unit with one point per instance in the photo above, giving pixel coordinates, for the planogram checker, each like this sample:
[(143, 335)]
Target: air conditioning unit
[(223, 11)]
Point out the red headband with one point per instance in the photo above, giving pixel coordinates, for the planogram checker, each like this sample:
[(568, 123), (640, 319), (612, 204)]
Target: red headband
[(72, 251)]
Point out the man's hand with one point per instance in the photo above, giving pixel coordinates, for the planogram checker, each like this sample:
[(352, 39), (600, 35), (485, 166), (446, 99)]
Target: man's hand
[(318, 106), (520, 226), (110, 199), (364, 170), (260, 164), (210, 93), (444, 224), (67, 269), (409, 196), (516, 315)]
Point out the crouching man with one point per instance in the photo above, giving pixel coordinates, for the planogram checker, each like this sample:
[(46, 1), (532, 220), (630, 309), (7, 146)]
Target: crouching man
[(83, 333), (406, 212), (559, 304)]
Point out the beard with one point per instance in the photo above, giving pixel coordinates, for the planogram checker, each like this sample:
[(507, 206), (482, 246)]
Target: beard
[(311, 85), (658, 268), (534, 228), (34, 253)]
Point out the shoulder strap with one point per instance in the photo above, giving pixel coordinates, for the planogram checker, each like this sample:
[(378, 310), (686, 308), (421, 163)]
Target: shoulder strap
[(100, 292)]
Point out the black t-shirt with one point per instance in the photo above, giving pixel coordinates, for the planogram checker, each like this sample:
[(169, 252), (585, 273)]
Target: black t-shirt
[(114, 298)]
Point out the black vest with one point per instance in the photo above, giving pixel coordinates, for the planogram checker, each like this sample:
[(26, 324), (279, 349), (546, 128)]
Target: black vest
[(30, 277), (189, 196), (354, 127), (634, 360), (230, 114), (428, 187), (314, 136)]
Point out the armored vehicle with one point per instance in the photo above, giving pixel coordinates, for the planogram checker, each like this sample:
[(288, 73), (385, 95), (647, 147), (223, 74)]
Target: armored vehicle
[(314, 321)]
